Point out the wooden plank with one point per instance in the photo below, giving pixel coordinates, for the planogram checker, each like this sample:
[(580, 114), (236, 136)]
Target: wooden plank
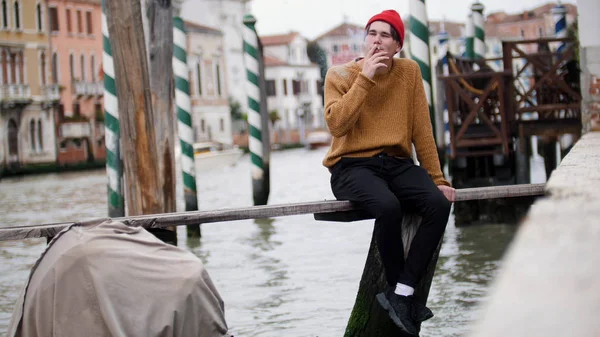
[(258, 212)]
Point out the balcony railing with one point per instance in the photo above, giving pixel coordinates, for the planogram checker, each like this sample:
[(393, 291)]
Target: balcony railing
[(75, 129), (15, 92), (51, 92), (81, 88)]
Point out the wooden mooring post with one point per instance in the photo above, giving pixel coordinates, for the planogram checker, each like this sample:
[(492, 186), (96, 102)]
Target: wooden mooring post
[(367, 318), (146, 106)]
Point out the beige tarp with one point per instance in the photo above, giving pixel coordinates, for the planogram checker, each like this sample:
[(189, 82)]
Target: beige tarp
[(103, 278)]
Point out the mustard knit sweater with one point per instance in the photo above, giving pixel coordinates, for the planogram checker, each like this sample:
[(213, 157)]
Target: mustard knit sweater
[(389, 113)]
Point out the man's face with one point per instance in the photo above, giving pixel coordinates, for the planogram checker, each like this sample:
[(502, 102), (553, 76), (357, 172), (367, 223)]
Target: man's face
[(380, 35)]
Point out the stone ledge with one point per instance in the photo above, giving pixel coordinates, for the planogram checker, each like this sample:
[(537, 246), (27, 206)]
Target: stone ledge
[(549, 282)]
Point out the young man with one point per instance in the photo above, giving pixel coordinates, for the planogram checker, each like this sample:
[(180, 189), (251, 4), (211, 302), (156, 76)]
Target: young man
[(375, 108)]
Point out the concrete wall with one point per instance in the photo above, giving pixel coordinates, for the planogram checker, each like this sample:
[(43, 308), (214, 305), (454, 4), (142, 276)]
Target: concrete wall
[(548, 285)]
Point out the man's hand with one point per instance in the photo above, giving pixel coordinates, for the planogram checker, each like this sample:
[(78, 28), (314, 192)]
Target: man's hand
[(373, 61), (449, 192)]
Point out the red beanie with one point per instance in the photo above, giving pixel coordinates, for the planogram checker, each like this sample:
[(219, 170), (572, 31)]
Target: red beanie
[(393, 19)]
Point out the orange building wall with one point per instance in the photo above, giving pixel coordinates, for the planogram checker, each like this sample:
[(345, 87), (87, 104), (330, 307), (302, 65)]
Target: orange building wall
[(65, 43)]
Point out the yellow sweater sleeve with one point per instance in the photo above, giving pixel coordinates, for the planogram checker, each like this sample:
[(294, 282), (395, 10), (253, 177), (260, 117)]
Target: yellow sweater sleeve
[(422, 136), (345, 93)]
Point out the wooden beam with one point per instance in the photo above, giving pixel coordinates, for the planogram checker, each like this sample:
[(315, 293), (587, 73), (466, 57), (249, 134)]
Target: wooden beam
[(258, 212)]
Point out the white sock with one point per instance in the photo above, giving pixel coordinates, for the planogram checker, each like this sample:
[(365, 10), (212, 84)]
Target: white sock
[(404, 290)]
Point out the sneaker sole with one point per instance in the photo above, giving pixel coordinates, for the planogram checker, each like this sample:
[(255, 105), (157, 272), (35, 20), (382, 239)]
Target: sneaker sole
[(385, 304)]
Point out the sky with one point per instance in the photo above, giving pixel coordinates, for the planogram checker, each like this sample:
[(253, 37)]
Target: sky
[(312, 18)]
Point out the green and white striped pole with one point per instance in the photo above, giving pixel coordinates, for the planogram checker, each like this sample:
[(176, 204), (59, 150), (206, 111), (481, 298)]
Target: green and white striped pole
[(257, 117), (470, 37), (184, 117), (419, 49), (112, 133), (479, 29)]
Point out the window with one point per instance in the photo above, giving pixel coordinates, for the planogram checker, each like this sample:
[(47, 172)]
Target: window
[(93, 67), (295, 87), (43, 68), (88, 18), (38, 16), (69, 27), (335, 48), (13, 68), (199, 78), (4, 67), (540, 31), (53, 13), (218, 70), (79, 22), (221, 125), (202, 125), (13, 138), (40, 134), (54, 68), (4, 15), (522, 33), (21, 65), (72, 66), (82, 65), (98, 110), (270, 84), (76, 109), (61, 111), (17, 15), (284, 87), (32, 134)]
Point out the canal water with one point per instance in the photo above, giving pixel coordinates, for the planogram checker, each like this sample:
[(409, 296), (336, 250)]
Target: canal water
[(289, 276)]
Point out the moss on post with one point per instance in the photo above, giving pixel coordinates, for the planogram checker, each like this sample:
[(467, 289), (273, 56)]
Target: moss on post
[(368, 319)]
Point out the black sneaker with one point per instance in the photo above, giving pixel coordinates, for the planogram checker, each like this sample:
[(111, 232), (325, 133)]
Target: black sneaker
[(399, 309), (420, 313)]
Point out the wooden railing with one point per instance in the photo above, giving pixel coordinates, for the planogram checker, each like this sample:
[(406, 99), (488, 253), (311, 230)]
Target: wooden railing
[(476, 116), (332, 210)]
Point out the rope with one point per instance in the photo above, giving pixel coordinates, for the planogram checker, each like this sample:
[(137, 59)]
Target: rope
[(465, 83)]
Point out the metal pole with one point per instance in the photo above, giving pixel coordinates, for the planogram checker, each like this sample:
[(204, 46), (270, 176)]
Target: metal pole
[(184, 126), (479, 30), (469, 41), (112, 133), (419, 49), (259, 153)]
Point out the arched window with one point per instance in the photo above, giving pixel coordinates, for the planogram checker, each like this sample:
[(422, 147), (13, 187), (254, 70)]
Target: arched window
[(82, 65), (13, 68), (54, 68), (40, 135), (43, 68), (17, 15), (93, 67), (21, 68), (4, 15), (72, 66), (39, 18), (4, 67), (199, 78), (32, 134)]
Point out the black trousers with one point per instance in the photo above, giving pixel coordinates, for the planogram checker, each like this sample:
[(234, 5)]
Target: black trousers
[(387, 186)]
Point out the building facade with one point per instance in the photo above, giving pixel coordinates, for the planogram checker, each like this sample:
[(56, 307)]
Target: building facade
[(292, 83), (226, 16), (211, 118), (76, 42), (342, 43), (27, 95)]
